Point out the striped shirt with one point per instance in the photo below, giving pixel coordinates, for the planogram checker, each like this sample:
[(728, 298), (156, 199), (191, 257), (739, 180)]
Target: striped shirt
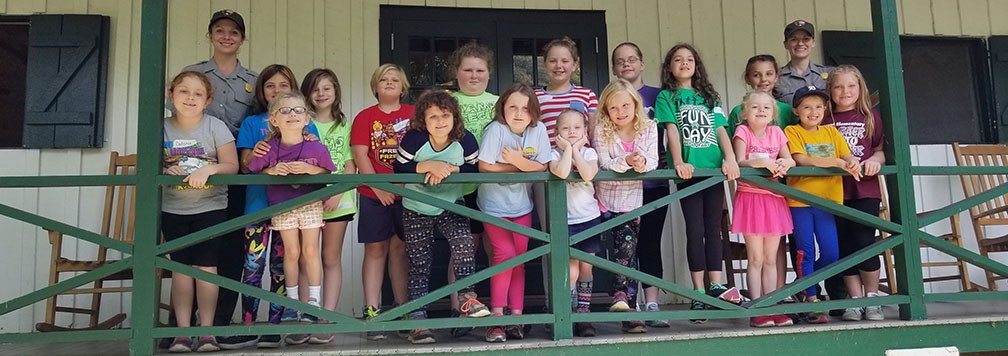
[(551, 104)]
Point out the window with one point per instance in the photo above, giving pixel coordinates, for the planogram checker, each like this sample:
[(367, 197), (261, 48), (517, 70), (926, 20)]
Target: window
[(54, 69), (949, 83)]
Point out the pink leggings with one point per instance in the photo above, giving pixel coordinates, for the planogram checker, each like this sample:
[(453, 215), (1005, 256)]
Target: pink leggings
[(508, 287)]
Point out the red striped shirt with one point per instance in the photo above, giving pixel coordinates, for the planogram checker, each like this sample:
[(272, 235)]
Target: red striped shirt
[(551, 104)]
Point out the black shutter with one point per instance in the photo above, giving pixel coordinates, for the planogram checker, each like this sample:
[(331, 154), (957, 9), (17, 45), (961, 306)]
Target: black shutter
[(65, 91), (998, 46)]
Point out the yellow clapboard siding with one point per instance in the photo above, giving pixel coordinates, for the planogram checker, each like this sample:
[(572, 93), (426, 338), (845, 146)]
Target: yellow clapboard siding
[(917, 18), (974, 19), (708, 39), (674, 23), (25, 7), (998, 11), (643, 33), (768, 30), (300, 39), (262, 28), (616, 24), (738, 47), (946, 21), (830, 15), (858, 14)]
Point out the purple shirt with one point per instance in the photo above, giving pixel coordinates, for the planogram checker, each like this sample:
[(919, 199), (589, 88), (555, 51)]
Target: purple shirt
[(648, 95), (851, 125), (310, 152)]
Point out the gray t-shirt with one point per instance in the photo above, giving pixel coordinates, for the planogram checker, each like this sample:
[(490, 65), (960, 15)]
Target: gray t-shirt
[(510, 200), (192, 150)]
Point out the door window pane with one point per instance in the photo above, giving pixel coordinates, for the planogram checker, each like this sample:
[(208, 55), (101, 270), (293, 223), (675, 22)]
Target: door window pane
[(528, 64)]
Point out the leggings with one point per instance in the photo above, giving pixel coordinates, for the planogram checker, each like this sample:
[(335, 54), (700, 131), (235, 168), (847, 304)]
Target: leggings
[(649, 241), (257, 241), (507, 289), (854, 236), (624, 237), (702, 213), (419, 231), (814, 226)]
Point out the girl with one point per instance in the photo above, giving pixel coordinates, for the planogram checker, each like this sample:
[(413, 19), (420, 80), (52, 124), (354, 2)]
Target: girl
[(374, 143), (197, 146), (761, 75), (299, 228), (561, 60), (324, 94), (472, 64), (689, 108), (583, 213), (625, 139), (437, 145), (861, 126), (628, 64), (761, 216), (817, 146), (276, 79), (516, 141)]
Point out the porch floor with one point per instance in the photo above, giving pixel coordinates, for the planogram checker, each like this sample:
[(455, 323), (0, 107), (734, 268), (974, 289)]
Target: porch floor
[(940, 313)]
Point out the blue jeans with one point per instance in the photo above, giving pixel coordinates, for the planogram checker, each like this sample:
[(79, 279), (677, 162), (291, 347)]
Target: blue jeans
[(812, 226)]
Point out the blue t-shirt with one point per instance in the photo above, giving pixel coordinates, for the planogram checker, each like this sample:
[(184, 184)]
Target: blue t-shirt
[(510, 200), (254, 129), (415, 147)]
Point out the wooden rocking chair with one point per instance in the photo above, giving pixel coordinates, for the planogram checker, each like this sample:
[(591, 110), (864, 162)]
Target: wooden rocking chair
[(117, 224), (993, 212)]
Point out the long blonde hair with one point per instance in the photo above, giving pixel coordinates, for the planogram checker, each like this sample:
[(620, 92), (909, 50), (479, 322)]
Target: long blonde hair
[(605, 122), (863, 104)]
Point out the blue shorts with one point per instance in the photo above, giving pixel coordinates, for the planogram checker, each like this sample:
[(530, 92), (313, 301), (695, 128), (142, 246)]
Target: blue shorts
[(592, 244), (378, 222)]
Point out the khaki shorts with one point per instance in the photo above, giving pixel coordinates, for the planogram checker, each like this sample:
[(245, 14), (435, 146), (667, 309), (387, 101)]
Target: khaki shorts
[(305, 217)]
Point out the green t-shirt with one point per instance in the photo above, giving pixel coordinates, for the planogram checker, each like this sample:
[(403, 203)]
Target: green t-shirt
[(477, 112), (785, 117), (337, 139), (697, 124)]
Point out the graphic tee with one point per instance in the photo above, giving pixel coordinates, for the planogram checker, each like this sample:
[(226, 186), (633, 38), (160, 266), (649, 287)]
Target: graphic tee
[(310, 152), (252, 130), (381, 133), (697, 122), (477, 112), (851, 125), (336, 138), (193, 150), (757, 147), (824, 142), (510, 200)]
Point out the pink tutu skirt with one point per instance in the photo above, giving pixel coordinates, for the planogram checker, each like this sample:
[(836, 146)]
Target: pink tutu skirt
[(761, 214)]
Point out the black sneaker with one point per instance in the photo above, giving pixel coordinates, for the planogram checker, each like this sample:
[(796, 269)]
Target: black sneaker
[(237, 341), (460, 331), (268, 342), (584, 330), (697, 305)]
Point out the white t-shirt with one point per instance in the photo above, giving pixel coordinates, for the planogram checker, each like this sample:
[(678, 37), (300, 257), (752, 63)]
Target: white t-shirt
[(510, 200), (581, 203)]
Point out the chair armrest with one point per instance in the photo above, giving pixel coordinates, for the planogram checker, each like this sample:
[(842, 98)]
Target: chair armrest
[(994, 211), (55, 237)]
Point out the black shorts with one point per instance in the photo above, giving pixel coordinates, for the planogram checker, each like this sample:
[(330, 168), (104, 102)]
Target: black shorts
[(592, 244), (347, 217), (378, 222), (204, 254), (475, 226)]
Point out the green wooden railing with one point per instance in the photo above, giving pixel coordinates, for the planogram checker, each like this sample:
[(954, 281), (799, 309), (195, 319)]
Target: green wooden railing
[(146, 255)]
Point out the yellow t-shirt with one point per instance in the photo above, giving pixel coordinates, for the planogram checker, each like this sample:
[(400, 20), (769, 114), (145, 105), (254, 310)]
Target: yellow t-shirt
[(824, 142)]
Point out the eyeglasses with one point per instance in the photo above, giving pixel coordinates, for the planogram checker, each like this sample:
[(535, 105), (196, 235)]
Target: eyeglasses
[(295, 109), (631, 60)]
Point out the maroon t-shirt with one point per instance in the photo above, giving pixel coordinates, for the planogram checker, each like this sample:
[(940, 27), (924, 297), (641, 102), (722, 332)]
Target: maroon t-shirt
[(851, 125)]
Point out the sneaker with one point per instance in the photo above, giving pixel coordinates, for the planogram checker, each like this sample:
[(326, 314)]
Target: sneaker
[(660, 323), (619, 302), (782, 320), (404, 333), (515, 332), (371, 312), (296, 339), (459, 331), (268, 342), (816, 317), (289, 314), (762, 321), (495, 334), (634, 327), (584, 330), (853, 314), (421, 336), (321, 339), (874, 313), (472, 308), (207, 344), (237, 341), (180, 344), (730, 295), (697, 305)]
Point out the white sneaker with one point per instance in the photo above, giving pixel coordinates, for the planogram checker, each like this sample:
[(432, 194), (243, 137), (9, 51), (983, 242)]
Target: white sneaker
[(853, 314), (874, 313)]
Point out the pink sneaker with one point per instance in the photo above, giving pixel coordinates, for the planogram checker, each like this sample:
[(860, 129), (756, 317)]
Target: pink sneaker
[(782, 320), (761, 321)]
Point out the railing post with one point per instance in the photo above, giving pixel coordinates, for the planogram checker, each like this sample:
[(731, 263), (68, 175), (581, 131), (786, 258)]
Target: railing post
[(560, 303), (153, 22), (897, 149)]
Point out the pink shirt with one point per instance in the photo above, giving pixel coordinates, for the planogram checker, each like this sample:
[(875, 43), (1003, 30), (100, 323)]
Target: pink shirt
[(767, 146)]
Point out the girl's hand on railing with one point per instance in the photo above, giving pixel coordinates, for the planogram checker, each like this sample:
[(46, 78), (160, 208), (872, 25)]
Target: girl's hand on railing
[(730, 169), (685, 170), (871, 167), (853, 167), (198, 178)]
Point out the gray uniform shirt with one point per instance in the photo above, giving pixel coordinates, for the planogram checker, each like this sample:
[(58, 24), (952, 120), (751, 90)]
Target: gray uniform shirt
[(788, 81), (233, 95)]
